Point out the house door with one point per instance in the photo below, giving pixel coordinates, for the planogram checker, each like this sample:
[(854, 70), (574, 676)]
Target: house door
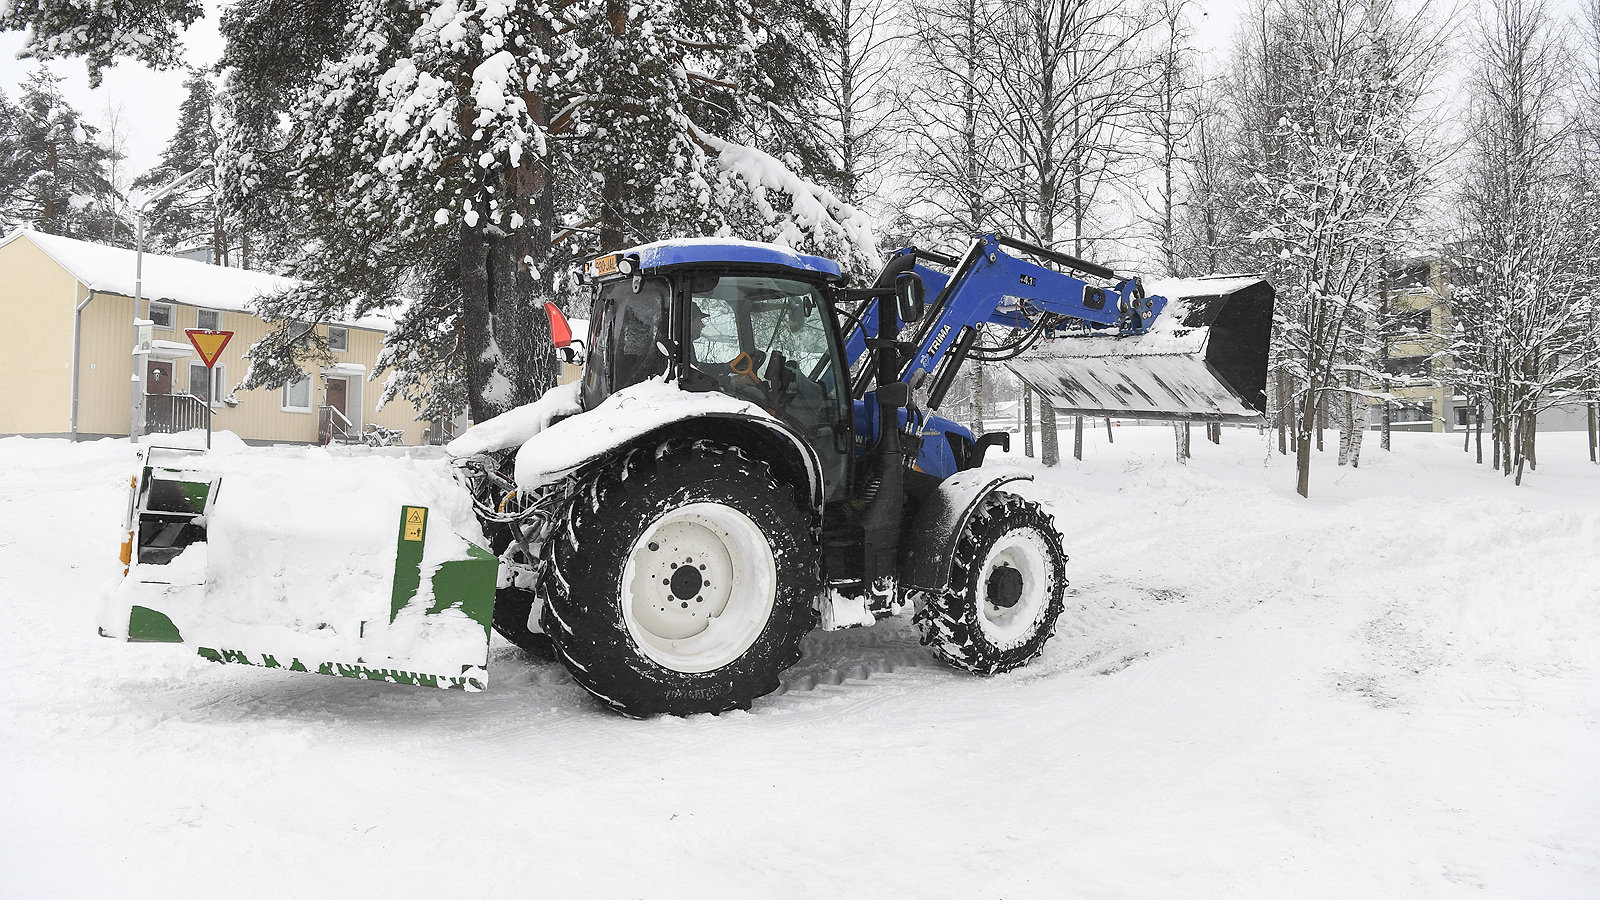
[(336, 394), (158, 377)]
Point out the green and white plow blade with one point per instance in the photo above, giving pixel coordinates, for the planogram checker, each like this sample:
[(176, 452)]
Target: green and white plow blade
[(418, 612)]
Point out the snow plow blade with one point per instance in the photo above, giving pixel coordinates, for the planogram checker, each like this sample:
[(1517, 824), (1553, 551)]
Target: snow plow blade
[(355, 567), (1204, 360)]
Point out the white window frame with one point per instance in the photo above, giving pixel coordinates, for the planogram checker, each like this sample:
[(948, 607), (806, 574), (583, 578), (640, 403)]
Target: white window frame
[(215, 312), (346, 347), (189, 382), (218, 380), (172, 315), (283, 396)]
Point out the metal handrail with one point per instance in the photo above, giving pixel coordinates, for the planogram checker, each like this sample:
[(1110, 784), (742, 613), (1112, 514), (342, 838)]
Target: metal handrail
[(172, 413), (328, 429)]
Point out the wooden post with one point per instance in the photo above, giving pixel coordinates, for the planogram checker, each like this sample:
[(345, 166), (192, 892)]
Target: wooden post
[(1077, 437), (1027, 421), (1112, 439), (1592, 426), (1283, 418), (1322, 418), (1477, 416), (1049, 436)]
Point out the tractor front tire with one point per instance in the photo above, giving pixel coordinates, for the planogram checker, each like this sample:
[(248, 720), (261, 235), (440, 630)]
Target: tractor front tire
[(1005, 590), (684, 580)]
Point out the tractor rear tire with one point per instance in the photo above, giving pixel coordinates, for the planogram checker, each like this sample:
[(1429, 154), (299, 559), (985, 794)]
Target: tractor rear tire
[(684, 580), (1005, 590), (512, 607)]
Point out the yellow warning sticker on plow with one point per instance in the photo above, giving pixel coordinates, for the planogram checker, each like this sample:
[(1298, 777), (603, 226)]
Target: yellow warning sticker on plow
[(416, 522)]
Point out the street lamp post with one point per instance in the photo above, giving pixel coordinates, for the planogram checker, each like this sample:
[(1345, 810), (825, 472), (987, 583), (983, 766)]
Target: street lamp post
[(136, 426)]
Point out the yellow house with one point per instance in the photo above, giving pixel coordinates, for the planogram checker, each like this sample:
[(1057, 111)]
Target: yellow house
[(70, 369)]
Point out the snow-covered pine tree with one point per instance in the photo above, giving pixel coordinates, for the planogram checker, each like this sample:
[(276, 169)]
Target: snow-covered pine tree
[(10, 151), (191, 217), (467, 154), (146, 30), (52, 170)]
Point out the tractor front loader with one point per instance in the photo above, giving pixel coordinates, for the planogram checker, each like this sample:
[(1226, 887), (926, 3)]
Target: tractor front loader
[(753, 451)]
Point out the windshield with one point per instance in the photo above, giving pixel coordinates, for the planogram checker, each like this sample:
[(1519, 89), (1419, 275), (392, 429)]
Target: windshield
[(765, 339)]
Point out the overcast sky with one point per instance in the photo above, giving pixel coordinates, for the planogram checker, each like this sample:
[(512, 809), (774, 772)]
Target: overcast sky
[(149, 100)]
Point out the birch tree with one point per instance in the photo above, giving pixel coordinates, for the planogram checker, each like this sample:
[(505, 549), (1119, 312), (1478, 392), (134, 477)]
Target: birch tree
[(1524, 301), (1169, 122), (1332, 139), (946, 113), (856, 96)]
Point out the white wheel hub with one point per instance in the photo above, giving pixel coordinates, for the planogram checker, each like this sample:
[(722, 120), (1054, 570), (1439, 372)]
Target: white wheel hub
[(699, 587), (1014, 587)]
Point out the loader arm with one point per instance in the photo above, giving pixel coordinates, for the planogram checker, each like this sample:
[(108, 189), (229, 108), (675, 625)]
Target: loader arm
[(1084, 344)]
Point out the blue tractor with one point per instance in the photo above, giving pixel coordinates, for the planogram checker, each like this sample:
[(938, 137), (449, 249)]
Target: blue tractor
[(725, 477)]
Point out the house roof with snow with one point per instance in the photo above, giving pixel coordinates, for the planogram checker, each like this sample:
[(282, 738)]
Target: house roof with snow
[(112, 270)]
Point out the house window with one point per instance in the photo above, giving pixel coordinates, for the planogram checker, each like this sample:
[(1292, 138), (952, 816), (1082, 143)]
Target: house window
[(338, 338), (297, 395), (1413, 411), (1463, 416), (1414, 276), (208, 319), (1415, 321), (207, 384), (161, 314), (1409, 367)]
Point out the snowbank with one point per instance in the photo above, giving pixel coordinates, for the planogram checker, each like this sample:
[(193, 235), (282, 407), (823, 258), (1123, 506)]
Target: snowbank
[(1391, 690)]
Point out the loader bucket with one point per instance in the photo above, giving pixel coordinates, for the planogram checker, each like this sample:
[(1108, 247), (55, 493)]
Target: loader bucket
[(362, 567), (1205, 358)]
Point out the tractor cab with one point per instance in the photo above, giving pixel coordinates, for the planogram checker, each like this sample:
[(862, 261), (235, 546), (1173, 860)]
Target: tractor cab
[(752, 321)]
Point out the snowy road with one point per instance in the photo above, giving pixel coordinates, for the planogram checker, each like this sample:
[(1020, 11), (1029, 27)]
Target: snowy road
[(1392, 690)]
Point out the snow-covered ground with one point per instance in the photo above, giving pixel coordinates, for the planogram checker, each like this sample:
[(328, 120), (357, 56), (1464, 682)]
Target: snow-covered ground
[(1391, 690)]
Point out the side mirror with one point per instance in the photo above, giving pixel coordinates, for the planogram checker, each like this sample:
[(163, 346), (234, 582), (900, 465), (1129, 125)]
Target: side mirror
[(909, 293)]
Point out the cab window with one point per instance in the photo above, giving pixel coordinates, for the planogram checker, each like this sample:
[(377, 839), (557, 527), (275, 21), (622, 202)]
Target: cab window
[(628, 330), (765, 339)]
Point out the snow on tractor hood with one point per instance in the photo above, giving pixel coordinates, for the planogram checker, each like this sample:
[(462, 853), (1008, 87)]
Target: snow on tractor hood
[(556, 437), (559, 449)]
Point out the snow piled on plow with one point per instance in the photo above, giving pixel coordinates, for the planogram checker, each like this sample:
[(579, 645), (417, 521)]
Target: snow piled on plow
[(299, 560)]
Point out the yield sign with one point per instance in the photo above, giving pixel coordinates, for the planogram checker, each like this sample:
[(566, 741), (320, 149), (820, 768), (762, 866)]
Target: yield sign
[(208, 344)]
